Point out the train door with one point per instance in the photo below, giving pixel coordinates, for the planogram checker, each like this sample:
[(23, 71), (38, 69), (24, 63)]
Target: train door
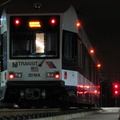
[(3, 64), (4, 51), (0, 61)]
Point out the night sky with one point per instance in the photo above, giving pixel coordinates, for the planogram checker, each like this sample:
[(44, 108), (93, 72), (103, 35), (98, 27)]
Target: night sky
[(101, 21)]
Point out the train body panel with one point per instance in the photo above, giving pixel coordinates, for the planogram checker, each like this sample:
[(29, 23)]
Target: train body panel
[(70, 77), (33, 69), (69, 20), (45, 57)]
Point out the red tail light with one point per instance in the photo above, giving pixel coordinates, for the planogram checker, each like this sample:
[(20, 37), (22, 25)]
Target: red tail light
[(17, 21), (57, 75), (116, 92), (11, 75), (53, 21)]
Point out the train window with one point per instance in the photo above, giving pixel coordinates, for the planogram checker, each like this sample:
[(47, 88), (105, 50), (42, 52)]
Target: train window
[(87, 66), (94, 73), (86, 62), (69, 45), (34, 42), (39, 43), (80, 44)]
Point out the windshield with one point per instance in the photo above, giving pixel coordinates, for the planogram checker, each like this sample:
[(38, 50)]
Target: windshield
[(34, 36)]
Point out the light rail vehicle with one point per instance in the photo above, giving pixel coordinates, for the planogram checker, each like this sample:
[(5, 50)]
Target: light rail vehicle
[(45, 56)]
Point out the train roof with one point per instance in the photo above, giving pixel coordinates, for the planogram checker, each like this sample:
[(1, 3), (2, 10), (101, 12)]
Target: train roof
[(45, 6), (37, 6)]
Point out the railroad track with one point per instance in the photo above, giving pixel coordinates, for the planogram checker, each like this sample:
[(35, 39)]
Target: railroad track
[(27, 114), (24, 114)]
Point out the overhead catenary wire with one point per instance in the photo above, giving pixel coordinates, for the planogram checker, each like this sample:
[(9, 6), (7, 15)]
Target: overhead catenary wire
[(5, 3)]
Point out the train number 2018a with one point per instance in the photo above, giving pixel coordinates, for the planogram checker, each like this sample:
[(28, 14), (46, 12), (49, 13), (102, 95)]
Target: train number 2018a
[(34, 75)]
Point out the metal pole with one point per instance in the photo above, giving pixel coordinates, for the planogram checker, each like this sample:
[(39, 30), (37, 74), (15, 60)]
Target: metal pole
[(116, 101)]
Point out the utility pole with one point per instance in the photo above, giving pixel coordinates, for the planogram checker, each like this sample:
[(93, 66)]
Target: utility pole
[(102, 79)]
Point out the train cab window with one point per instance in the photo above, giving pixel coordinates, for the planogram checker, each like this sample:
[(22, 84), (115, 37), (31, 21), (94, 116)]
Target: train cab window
[(39, 43), (45, 43), (38, 39)]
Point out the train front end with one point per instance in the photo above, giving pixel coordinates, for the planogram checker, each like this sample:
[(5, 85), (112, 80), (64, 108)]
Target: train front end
[(45, 56), (33, 71)]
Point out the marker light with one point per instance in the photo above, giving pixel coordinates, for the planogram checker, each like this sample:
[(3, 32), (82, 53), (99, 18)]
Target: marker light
[(92, 51), (53, 21), (34, 24), (17, 21), (98, 65), (11, 75), (78, 24), (57, 75)]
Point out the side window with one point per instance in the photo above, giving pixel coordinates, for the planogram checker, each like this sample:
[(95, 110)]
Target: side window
[(85, 62), (94, 73), (69, 40), (80, 54), (87, 66)]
